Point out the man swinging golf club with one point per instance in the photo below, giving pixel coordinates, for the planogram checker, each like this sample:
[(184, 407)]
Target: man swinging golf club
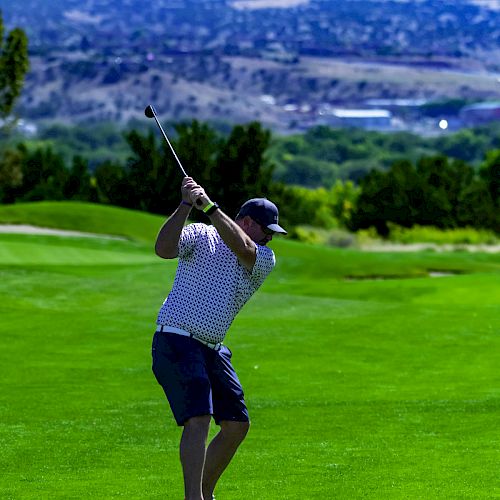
[(220, 267)]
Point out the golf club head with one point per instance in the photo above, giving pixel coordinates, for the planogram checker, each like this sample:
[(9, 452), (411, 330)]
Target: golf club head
[(150, 111)]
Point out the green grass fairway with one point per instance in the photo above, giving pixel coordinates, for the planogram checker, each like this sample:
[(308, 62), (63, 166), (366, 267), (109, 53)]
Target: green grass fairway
[(86, 217), (358, 387)]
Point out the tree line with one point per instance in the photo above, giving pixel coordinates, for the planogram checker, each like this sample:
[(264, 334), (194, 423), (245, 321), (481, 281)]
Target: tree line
[(322, 155), (434, 190), (231, 168)]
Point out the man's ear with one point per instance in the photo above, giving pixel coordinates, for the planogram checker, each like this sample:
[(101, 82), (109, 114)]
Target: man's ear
[(247, 220)]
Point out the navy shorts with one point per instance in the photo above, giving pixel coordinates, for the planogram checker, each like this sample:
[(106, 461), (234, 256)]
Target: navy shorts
[(197, 380)]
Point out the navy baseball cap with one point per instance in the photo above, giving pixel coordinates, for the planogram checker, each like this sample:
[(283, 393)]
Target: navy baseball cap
[(262, 211)]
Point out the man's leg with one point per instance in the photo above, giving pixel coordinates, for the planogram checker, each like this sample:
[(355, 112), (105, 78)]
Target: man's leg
[(220, 452), (192, 453)]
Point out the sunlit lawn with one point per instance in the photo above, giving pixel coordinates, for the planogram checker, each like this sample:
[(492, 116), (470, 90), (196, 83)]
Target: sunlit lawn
[(356, 388)]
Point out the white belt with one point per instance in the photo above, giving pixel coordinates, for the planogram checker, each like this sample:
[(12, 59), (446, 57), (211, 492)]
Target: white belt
[(178, 331)]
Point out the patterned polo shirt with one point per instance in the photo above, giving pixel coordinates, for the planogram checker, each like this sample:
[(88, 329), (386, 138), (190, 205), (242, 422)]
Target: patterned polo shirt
[(210, 286)]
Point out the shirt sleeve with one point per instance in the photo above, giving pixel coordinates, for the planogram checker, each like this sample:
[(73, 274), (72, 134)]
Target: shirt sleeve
[(187, 240), (264, 264)]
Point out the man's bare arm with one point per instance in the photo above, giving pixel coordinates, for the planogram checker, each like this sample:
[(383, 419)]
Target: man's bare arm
[(235, 238), (167, 241)]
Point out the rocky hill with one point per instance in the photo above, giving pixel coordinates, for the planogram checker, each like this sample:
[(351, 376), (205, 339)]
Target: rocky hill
[(229, 60)]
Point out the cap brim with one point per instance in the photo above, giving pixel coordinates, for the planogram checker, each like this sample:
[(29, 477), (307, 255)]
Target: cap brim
[(276, 228)]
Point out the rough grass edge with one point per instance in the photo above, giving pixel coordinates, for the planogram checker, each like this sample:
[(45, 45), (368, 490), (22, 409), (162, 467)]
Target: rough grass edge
[(341, 238)]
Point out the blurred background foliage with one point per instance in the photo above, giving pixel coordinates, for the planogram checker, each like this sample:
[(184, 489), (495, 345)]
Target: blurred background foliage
[(325, 178)]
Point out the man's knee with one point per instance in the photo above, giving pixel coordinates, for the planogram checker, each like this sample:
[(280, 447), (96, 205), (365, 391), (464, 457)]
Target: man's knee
[(235, 430), (198, 424)]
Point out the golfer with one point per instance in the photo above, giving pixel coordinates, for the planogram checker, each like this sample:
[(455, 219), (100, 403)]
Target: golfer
[(220, 267)]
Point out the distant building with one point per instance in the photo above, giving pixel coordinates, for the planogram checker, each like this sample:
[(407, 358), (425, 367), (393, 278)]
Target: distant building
[(375, 119), (396, 103), (476, 114)]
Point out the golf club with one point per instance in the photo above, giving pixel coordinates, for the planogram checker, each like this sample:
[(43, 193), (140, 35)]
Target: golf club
[(151, 113)]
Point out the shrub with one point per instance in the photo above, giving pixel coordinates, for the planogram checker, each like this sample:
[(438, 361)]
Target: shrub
[(430, 234), (332, 237)]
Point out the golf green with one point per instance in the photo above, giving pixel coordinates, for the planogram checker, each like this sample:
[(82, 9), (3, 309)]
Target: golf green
[(364, 377)]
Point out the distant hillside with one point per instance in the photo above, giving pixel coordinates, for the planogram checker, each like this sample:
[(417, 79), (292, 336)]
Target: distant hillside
[(227, 60)]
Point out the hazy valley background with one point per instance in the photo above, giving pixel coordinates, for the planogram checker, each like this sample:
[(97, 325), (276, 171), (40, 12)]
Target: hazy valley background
[(290, 68)]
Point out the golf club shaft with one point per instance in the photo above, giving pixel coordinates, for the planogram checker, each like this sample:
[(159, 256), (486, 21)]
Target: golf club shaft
[(168, 142), (151, 113)]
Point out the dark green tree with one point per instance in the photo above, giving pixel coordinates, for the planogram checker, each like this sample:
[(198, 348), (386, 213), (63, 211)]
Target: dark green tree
[(44, 174), (231, 169), (242, 170), (475, 207), (438, 192), (197, 145), (141, 168), (78, 185), (112, 184), (404, 194), (490, 172), (14, 64), (443, 181), (153, 176), (376, 194), (11, 174)]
